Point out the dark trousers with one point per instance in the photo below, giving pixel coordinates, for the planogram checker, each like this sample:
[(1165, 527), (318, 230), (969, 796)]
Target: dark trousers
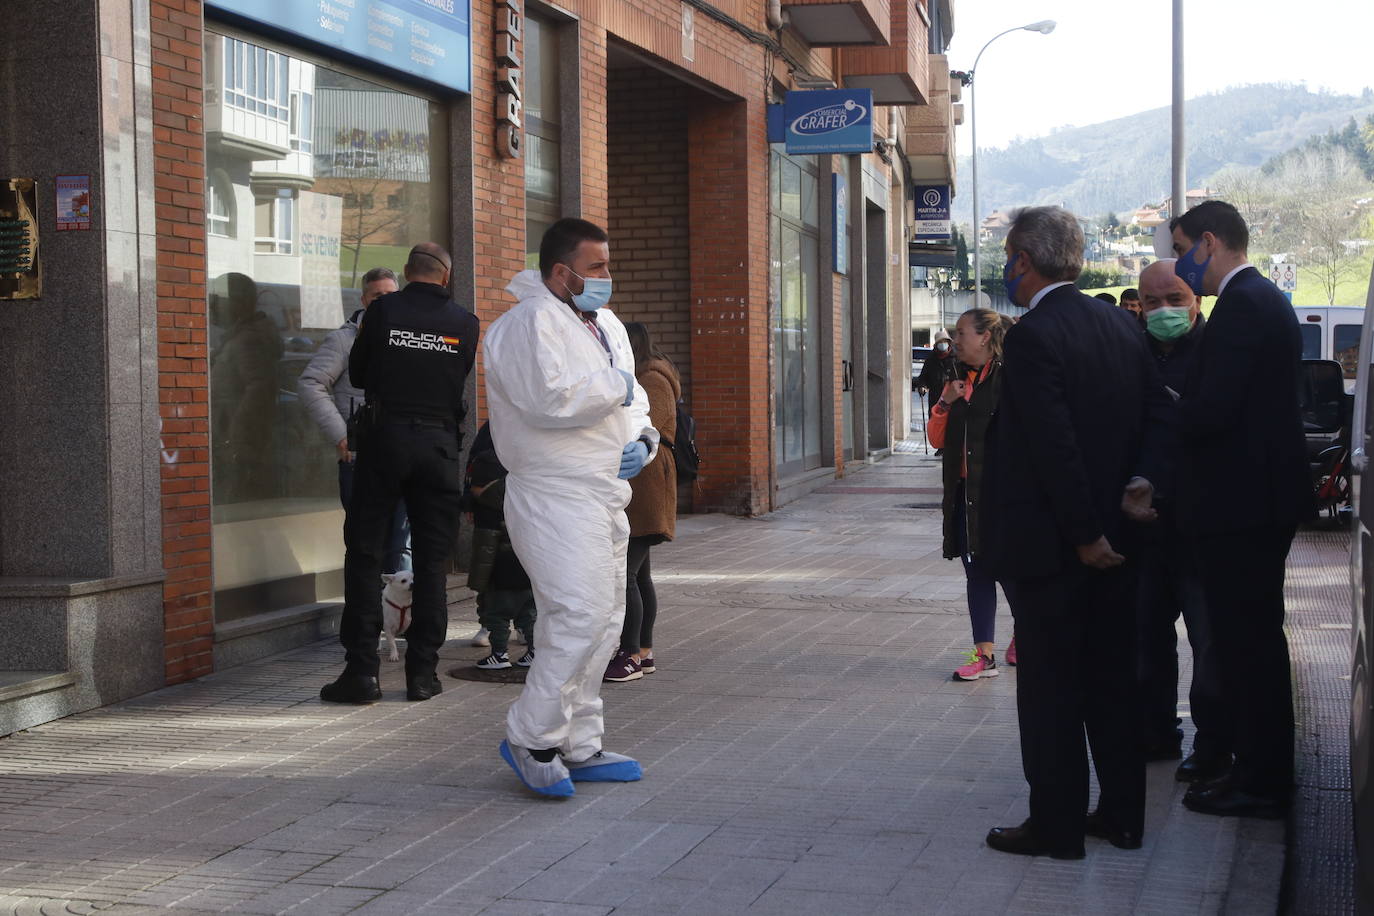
[(1242, 578), (397, 555), (980, 586), (1170, 587), (498, 608), (1072, 630), (641, 600), (418, 463)]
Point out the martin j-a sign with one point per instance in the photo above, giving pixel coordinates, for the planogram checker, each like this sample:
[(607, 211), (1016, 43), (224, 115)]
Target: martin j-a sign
[(820, 121)]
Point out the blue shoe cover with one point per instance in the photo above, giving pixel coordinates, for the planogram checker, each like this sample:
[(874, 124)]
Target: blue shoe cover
[(549, 779), (604, 766)]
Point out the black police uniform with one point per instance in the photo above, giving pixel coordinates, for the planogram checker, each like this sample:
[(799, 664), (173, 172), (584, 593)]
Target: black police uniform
[(412, 357)]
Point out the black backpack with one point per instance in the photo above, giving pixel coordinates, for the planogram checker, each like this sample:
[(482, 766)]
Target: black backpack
[(685, 455)]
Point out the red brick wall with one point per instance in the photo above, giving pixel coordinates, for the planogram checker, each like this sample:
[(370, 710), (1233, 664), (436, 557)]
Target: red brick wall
[(728, 180), (179, 181), (647, 179)]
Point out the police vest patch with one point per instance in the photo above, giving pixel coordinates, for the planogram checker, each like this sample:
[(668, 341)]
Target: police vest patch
[(423, 340)]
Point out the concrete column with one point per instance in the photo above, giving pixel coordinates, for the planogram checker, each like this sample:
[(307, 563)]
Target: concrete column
[(80, 510)]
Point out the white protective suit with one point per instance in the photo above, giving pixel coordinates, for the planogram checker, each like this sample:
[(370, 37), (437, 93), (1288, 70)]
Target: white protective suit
[(554, 398)]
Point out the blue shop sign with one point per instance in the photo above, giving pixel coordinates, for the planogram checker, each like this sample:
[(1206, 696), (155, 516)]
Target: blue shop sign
[(431, 39), (821, 121), (932, 211)]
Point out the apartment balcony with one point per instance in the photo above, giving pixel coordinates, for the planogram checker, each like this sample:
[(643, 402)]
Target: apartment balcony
[(929, 140), (898, 72), (827, 23)]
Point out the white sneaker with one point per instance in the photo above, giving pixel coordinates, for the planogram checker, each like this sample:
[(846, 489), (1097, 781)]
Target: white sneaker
[(483, 638), (605, 766), (545, 778)]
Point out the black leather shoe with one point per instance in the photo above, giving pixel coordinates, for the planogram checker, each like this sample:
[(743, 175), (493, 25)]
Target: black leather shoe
[(1097, 826), (1023, 842), (423, 687), (351, 688), (1226, 800), (1199, 767)]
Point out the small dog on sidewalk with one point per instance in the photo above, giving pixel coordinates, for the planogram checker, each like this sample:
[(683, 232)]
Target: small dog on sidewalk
[(396, 607)]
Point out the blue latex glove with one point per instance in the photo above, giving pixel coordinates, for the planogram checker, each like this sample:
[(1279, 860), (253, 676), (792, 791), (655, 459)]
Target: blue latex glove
[(629, 390), (632, 459)]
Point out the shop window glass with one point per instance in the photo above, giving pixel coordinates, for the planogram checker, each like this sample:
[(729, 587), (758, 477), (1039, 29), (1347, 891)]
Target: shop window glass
[(219, 213), (795, 287), (543, 146), (275, 293)]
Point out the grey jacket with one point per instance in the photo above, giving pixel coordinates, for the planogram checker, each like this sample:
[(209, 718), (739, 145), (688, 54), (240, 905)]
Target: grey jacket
[(324, 386)]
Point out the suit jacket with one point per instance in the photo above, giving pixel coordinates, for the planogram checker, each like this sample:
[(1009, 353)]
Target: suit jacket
[(1245, 458), (1082, 410)]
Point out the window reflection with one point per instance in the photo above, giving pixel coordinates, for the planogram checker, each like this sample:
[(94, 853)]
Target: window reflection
[(330, 176)]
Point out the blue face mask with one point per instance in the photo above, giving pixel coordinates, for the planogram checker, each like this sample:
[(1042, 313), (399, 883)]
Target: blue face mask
[(1190, 271), (596, 292), (1009, 281)]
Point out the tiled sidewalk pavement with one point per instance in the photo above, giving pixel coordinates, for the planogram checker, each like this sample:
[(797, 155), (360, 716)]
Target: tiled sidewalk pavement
[(805, 751)]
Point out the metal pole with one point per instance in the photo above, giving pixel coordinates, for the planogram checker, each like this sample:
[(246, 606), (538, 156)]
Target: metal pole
[(1179, 199), (977, 223)]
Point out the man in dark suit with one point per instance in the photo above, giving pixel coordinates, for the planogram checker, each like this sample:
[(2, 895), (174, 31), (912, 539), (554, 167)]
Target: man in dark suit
[(1245, 486), (1081, 402)]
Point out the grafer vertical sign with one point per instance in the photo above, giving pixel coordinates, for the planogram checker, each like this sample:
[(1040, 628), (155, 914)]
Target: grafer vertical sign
[(509, 28)]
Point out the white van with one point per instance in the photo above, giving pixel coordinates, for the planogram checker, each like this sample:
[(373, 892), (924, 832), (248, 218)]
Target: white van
[(1332, 332), (1362, 588)]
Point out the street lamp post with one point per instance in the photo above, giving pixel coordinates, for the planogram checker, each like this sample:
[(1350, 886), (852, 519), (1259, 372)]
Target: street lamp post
[(1044, 27)]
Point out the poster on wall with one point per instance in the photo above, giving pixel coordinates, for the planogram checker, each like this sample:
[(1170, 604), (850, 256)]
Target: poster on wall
[(321, 228), (73, 202)]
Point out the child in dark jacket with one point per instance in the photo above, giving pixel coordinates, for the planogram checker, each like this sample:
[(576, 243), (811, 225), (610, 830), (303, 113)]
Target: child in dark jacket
[(495, 573)]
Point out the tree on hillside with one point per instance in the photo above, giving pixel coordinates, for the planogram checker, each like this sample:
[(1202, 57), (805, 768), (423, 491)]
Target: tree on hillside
[(1318, 193)]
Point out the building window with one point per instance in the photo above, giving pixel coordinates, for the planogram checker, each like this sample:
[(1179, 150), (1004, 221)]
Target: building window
[(302, 119), (275, 219), (543, 118), (393, 201), (220, 211), (256, 79)]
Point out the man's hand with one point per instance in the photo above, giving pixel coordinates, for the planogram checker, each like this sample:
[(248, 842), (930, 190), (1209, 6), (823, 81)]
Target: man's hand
[(632, 459), (1099, 554), (953, 391), (344, 454), (1137, 501)]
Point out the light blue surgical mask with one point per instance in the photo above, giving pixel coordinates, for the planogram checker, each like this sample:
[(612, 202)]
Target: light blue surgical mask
[(1190, 271), (596, 292)]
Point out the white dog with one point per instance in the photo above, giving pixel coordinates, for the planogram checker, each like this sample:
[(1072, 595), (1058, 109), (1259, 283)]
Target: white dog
[(396, 607)]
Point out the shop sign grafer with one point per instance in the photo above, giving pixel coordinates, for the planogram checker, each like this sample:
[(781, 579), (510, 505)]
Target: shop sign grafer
[(509, 21)]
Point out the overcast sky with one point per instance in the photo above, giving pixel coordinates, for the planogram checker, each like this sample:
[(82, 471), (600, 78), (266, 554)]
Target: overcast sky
[(1107, 59)]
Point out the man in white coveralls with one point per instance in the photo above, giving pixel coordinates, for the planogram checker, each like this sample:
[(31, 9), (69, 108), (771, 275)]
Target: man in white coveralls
[(572, 426)]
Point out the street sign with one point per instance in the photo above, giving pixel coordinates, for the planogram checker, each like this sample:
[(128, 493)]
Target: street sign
[(932, 211), (821, 121)]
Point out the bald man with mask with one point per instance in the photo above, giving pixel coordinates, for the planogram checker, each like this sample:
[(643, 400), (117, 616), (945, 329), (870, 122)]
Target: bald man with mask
[(1170, 585), (412, 357)]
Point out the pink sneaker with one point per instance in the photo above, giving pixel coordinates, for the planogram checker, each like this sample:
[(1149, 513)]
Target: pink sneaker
[(1009, 656), (978, 666)]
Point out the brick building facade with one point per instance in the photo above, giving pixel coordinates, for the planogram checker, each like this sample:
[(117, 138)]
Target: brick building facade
[(218, 145)]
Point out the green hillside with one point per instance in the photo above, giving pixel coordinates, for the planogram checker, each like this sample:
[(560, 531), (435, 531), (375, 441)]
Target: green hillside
[(1121, 164)]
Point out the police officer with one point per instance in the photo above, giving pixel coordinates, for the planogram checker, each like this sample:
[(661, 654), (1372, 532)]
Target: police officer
[(412, 357)]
